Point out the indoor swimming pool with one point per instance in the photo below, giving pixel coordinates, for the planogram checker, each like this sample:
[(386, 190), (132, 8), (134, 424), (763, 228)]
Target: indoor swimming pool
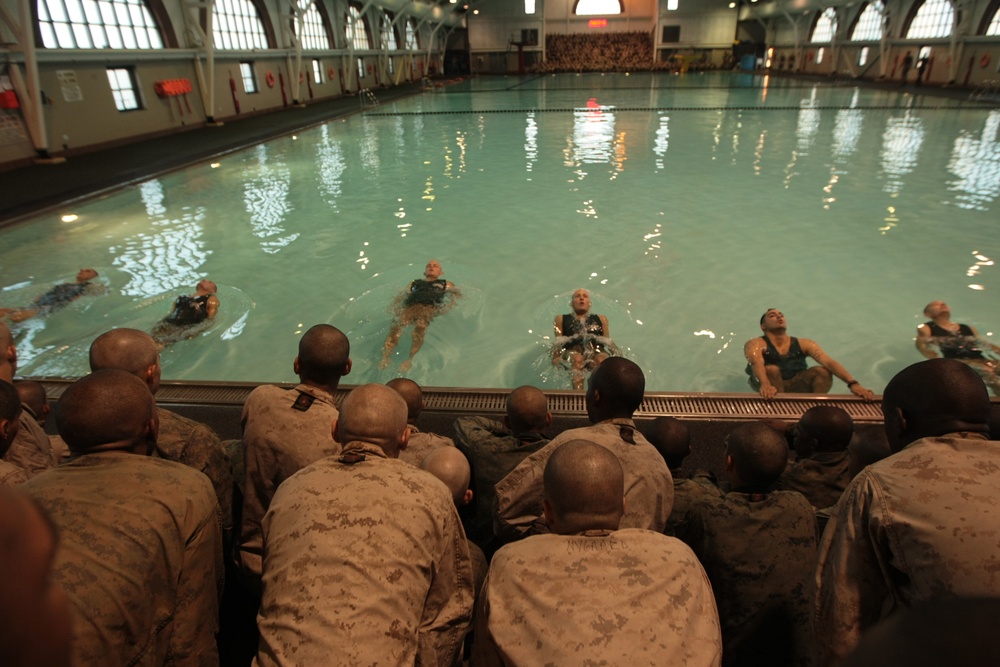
[(688, 205)]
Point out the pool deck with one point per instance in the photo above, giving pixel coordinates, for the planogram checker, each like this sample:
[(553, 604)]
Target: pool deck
[(37, 187)]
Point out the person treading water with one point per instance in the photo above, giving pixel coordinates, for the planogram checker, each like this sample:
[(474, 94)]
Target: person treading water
[(583, 339), (423, 300), (187, 311)]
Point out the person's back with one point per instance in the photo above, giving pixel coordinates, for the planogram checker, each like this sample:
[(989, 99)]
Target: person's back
[(822, 472), (758, 547), (140, 546), (285, 430), (364, 555), (590, 593), (10, 413), (30, 450), (922, 523), (420, 444)]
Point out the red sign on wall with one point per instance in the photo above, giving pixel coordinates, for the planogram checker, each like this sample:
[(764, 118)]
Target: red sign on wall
[(597, 23)]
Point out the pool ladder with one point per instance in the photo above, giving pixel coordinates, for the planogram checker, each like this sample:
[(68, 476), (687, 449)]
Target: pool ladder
[(987, 91), (368, 99)]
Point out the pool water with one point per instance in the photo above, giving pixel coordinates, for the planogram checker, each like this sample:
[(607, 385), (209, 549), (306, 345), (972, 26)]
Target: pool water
[(688, 205)]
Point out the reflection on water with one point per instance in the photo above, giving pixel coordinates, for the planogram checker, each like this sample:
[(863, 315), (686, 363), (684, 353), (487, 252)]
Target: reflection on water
[(697, 245)]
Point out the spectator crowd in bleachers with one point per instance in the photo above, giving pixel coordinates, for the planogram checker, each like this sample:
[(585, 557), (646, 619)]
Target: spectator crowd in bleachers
[(341, 534)]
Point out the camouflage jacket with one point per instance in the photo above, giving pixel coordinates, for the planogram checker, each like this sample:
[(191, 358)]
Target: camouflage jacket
[(365, 562), (920, 524), (31, 450), (627, 597), (821, 477), (139, 556), (11, 475), (421, 444), (649, 488)]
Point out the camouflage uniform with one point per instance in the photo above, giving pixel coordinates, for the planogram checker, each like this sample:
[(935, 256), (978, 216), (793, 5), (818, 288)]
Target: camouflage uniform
[(31, 450), (365, 562), (918, 525), (493, 452), (284, 430), (421, 444), (186, 441), (686, 491), (759, 550), (649, 488), (140, 557), (11, 475), (626, 597), (821, 477)]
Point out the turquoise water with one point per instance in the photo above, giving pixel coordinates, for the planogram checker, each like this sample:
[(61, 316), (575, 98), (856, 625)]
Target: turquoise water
[(688, 205)]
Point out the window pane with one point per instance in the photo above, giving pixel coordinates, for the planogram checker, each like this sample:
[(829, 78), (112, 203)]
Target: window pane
[(75, 11), (933, 19), (82, 37), (64, 35), (236, 24), (869, 25), (994, 28), (48, 36), (57, 10), (86, 19), (826, 26)]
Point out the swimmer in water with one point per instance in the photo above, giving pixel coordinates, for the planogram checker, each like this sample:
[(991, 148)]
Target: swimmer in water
[(57, 298), (187, 312), (940, 337), (583, 346), (423, 300)]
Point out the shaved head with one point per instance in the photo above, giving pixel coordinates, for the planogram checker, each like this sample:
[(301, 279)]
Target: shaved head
[(451, 467), (108, 410), (411, 393), (207, 285), (324, 355), (33, 395), (758, 454), (128, 350), (672, 440), (619, 384), (826, 428), (933, 398), (584, 488), (527, 410), (375, 414)]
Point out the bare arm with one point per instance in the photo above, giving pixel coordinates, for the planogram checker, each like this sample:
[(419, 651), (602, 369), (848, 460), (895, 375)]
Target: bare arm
[(925, 343), (830, 364), (212, 306), (606, 326), (753, 350), (982, 341)]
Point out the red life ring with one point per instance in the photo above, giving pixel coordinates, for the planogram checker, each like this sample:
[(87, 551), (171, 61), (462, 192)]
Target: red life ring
[(269, 77), (369, 68), (302, 77), (985, 60), (329, 73)]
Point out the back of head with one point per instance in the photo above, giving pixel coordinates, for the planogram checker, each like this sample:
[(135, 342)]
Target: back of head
[(411, 393), (527, 409), (451, 467), (10, 411), (672, 440), (620, 384), (207, 285), (933, 398), (758, 454), (128, 350), (375, 414), (32, 394), (956, 632), (868, 446), (108, 410), (830, 428), (324, 353), (584, 488)]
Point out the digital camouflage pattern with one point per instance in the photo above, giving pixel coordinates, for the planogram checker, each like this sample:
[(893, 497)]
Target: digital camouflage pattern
[(649, 488), (186, 441), (421, 444), (759, 550), (918, 525), (821, 477), (365, 562), (686, 491), (139, 556), (31, 450), (627, 597), (284, 430), (11, 475), (493, 452)]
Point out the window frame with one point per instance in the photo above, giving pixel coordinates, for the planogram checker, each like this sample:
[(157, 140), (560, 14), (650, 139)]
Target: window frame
[(117, 90)]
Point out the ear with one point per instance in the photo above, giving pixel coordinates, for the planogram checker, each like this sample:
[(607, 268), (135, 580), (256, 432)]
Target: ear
[(334, 428), (548, 419), (467, 498), (347, 368), (295, 366), (547, 513), (729, 463), (597, 396), (404, 439), (506, 423)]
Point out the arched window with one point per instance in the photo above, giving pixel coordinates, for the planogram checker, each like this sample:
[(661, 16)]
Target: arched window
[(100, 24), (994, 28), (237, 25), (933, 19), (357, 29), (314, 34), (412, 42), (826, 26), (869, 25), (388, 33), (598, 7)]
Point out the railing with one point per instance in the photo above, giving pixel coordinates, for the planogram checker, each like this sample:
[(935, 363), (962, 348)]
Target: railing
[(368, 100), (987, 91)]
